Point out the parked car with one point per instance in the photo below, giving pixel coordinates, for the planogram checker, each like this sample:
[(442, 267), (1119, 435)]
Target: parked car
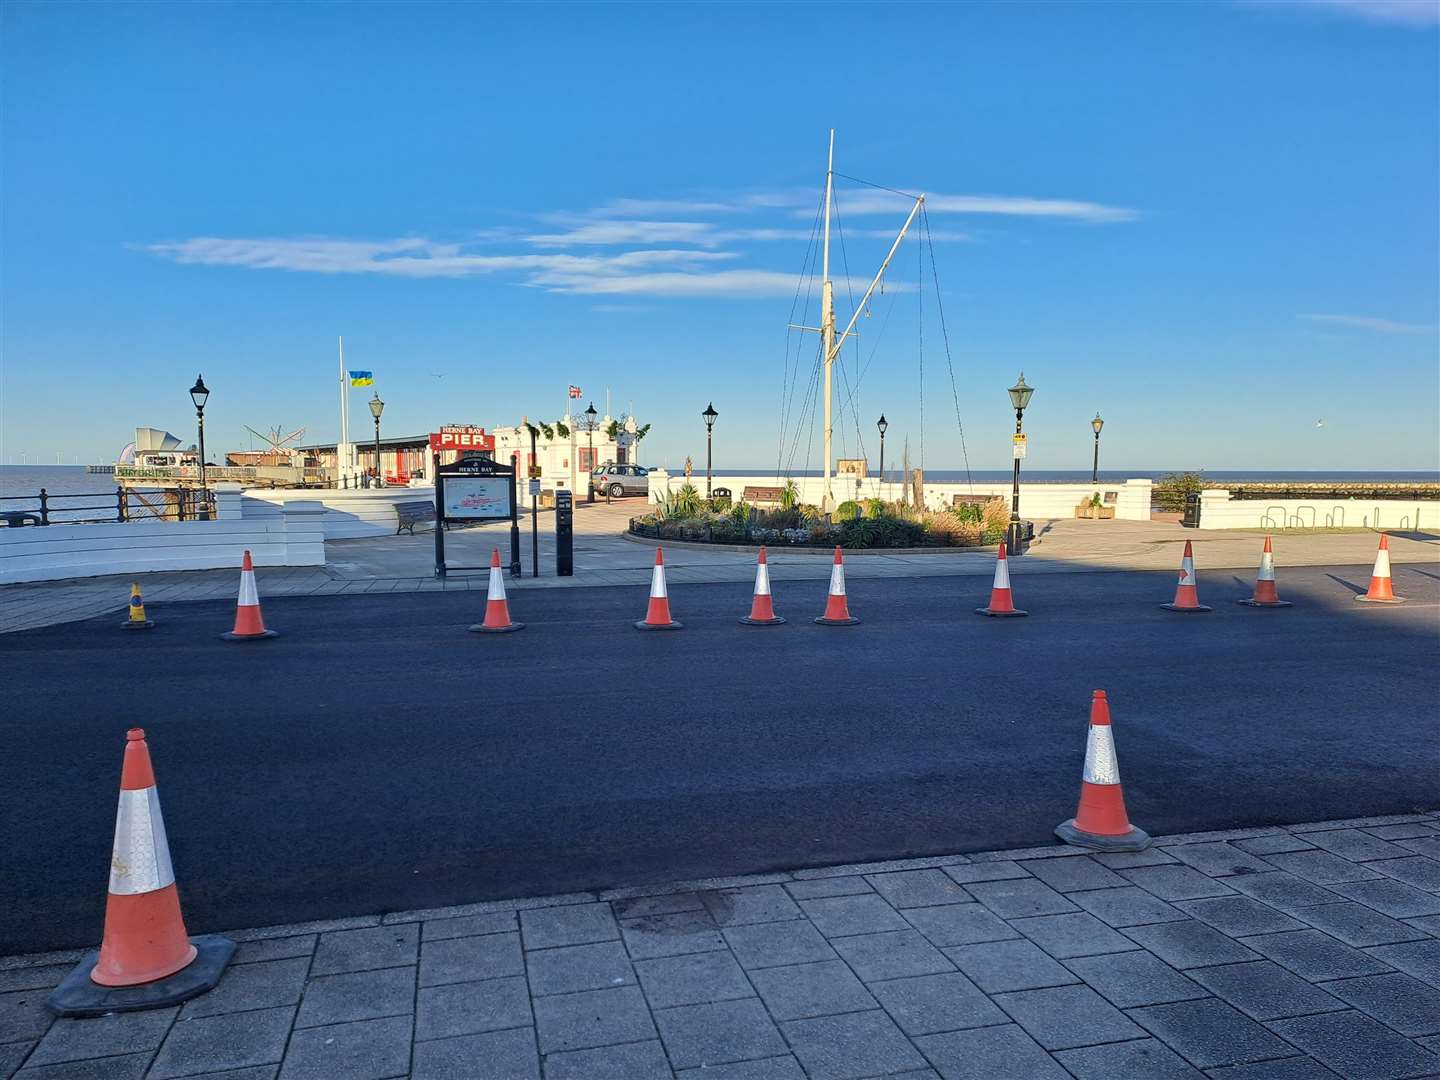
[(620, 480)]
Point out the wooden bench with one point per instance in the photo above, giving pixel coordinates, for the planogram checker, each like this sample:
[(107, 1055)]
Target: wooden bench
[(762, 494), (971, 500), (410, 514)]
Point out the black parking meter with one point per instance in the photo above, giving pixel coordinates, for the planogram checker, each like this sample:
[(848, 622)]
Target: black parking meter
[(564, 533)]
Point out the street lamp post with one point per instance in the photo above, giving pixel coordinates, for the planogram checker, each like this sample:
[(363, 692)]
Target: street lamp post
[(590, 423), (376, 408), (1019, 398), (199, 394), (709, 415), (883, 425), (1097, 424)]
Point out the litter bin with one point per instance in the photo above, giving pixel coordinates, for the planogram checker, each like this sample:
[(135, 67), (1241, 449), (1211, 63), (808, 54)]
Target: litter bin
[(1191, 520), (1019, 537)]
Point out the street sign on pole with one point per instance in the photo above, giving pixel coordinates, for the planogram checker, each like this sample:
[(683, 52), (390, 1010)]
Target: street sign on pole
[(1019, 445)]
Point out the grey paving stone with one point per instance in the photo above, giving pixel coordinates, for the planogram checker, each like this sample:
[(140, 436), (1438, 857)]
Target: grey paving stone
[(261, 985), (120, 1067), (1419, 871), (365, 950), (103, 1036), (23, 1015), (631, 1061), (1134, 978), (851, 1046), (1019, 897), (1029, 854), (692, 979), (891, 956), (1239, 916), (1190, 944), (365, 1050), (1418, 958), (1062, 1017), (1316, 956), (573, 924), (12, 1054), (918, 888), (638, 907), (1220, 859), (1284, 891), (1123, 860), (466, 959), (231, 1041), (1405, 1004), (470, 1007), (1357, 1047), (1249, 833), (592, 1018), (998, 966), (991, 871), (1292, 1068), (988, 1054), (492, 922), (958, 924), (1393, 898), (1076, 934), (1128, 906), (775, 1068), (252, 952), (1176, 882), (888, 866), (1071, 875), (671, 935), (838, 916), (1403, 832), (715, 1034), (801, 991), (776, 944), (1355, 845), (1356, 924), (1209, 1033), (814, 890), (1319, 867), (1359, 823), (756, 904), (928, 1004), (37, 977), (359, 995), (508, 1055), (1141, 1059), (1265, 991), (1269, 845), (579, 967)]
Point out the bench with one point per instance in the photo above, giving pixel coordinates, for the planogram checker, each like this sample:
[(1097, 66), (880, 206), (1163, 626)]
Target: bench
[(762, 494), (16, 518), (971, 500), (410, 514)]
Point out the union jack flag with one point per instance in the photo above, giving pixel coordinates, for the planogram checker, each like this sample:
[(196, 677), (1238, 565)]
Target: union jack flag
[(574, 391)]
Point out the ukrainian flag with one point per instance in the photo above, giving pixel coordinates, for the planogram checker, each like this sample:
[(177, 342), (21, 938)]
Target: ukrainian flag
[(362, 378)]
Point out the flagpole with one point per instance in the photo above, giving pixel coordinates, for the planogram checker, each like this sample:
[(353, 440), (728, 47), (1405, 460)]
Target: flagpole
[(342, 451)]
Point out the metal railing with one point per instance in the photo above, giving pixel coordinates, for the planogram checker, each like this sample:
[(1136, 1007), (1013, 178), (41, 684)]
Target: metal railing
[(119, 505)]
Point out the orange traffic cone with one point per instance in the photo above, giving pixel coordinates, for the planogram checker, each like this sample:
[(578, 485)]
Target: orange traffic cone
[(762, 608), (1101, 822), (1186, 597), (1381, 591), (249, 625), (497, 608), (837, 610), (1265, 583), (146, 959), (136, 619), (657, 615), (1001, 602)]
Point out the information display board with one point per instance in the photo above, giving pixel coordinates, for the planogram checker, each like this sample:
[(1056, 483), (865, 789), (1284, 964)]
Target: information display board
[(471, 490), (477, 498)]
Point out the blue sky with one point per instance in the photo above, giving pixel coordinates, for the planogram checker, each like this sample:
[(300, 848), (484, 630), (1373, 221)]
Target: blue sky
[(1214, 223)]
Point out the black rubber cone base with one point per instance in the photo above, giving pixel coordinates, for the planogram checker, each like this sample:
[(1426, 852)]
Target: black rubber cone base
[(1380, 600), (230, 635), (148, 624), (77, 995), (481, 628), (1134, 840), (643, 625), (747, 621), (1187, 610), (823, 621), (1249, 602), (1016, 613)]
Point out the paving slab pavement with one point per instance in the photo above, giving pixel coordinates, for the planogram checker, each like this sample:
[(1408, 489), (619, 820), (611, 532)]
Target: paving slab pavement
[(1039, 962)]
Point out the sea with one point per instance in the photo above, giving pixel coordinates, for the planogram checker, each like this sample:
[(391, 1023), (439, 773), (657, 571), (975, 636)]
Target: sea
[(73, 493)]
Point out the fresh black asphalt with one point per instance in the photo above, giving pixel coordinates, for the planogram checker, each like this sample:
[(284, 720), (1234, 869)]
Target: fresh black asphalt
[(377, 757)]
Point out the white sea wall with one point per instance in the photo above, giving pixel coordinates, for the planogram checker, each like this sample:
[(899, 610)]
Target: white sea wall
[(1219, 511), (348, 513)]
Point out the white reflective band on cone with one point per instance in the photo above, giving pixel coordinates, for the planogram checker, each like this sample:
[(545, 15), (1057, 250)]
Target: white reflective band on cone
[(1100, 764), (1187, 572), (657, 581), (762, 580), (1382, 563), (497, 584), (837, 579), (1002, 573), (248, 596), (140, 862), (1267, 567)]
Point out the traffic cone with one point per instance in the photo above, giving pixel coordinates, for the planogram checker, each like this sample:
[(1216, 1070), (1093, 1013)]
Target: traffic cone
[(1381, 591), (249, 625), (1186, 597), (762, 608), (1265, 583), (1101, 823), (837, 611), (497, 608), (137, 619), (146, 959), (1002, 604), (657, 615)]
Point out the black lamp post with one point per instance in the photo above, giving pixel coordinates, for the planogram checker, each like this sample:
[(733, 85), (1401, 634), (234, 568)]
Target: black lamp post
[(1019, 398), (1097, 424), (199, 394), (376, 408), (883, 425), (709, 414), (590, 424)]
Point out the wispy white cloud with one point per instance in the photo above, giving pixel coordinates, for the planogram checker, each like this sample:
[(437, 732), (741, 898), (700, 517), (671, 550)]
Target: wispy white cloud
[(1420, 14), (883, 202), (1367, 322), (701, 233), (729, 284)]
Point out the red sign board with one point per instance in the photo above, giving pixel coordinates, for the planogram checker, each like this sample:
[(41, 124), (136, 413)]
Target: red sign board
[(461, 437)]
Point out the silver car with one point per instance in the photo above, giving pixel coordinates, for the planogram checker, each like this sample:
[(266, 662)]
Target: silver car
[(620, 480)]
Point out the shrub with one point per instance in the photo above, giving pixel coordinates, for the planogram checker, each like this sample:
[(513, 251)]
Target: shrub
[(968, 512), (947, 530), (1170, 490), (874, 507), (848, 510), (995, 516), (858, 533), (789, 494)]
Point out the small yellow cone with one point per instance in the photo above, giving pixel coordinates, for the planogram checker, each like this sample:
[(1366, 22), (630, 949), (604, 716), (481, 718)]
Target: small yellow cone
[(137, 619)]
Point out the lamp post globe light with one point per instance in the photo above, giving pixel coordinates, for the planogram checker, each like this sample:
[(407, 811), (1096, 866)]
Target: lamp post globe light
[(199, 394), (376, 408), (709, 415), (590, 422), (1020, 395), (883, 425), (1097, 424)]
